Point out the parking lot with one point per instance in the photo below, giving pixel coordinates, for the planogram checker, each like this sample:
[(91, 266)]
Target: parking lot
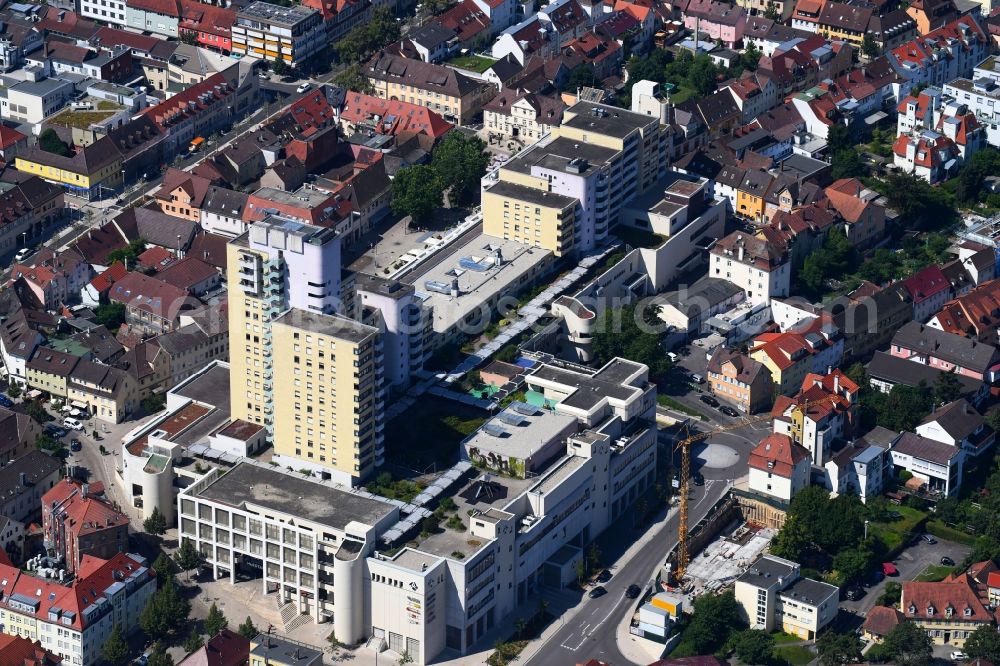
[(911, 563)]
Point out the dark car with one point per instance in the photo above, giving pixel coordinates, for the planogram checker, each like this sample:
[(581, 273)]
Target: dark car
[(855, 593), (729, 411), (75, 445), (709, 400), (5, 401), (598, 591), (698, 479), (633, 591), (604, 576), (947, 561)]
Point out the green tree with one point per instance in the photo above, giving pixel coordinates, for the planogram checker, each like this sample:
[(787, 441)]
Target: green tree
[(923, 206), (581, 76), (164, 568), (127, 254), (593, 556), (651, 67), (193, 641), (715, 618), (459, 162), (629, 333), (115, 649), (580, 568), (110, 315), (417, 192), (984, 643), (969, 183), (50, 142), (847, 164), (279, 66), (838, 649), (166, 612), (853, 563), (249, 630), (155, 523), (405, 658), (947, 388), (891, 594), (908, 645), (353, 78), (771, 13), (159, 656), (904, 407), (792, 540), (216, 620), (187, 557), (838, 138), (754, 646), (869, 48), (360, 43), (188, 37)]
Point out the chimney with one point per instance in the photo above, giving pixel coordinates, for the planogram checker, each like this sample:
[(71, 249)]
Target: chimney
[(84, 489), (836, 383), (23, 479)]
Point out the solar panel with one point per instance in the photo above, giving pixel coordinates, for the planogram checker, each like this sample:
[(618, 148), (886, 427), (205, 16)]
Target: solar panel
[(523, 408), (494, 429), (511, 419)]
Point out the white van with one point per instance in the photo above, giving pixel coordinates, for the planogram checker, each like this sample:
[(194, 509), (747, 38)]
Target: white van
[(72, 424)]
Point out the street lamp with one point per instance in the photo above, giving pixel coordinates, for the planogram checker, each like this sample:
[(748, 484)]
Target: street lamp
[(866, 530)]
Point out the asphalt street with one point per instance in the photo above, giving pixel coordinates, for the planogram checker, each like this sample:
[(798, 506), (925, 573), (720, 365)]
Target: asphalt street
[(590, 632)]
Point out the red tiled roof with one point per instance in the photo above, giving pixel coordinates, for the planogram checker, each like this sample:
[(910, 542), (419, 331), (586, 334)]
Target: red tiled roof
[(112, 274), (156, 258), (882, 619), (778, 454), (9, 136), (19, 651), (926, 284), (465, 19), (190, 101), (394, 116), (943, 600), (164, 7), (187, 273)]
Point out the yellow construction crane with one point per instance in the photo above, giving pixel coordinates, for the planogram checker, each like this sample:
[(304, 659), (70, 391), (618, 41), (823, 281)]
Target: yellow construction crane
[(683, 557)]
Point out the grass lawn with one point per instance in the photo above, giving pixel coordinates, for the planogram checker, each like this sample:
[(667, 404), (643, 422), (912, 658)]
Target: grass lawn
[(81, 119), (640, 238), (429, 432), (797, 655), (667, 401), (473, 63), (896, 533), (934, 573), (781, 638)]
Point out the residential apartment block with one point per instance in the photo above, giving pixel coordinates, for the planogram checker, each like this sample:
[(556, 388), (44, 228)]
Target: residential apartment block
[(78, 524), (773, 596), (597, 161), (269, 31)]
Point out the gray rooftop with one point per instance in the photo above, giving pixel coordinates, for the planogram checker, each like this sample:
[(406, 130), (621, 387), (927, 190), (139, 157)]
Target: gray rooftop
[(276, 14), (897, 370), (949, 347), (516, 433), (531, 195), (606, 120), (587, 391), (292, 494), (335, 326), (807, 590), (286, 652), (210, 387), (378, 285), (923, 448), (562, 154), (702, 296), (767, 570)]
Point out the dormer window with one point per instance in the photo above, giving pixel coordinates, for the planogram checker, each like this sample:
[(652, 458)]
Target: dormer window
[(912, 610), (967, 612), (930, 611), (948, 611)]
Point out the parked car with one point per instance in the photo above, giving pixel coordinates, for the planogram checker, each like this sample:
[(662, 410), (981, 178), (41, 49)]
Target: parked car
[(598, 591), (55, 431), (697, 379), (633, 591), (604, 576), (947, 561), (958, 655), (929, 539), (75, 445), (889, 569), (303, 87), (22, 254), (729, 411), (72, 424), (698, 479), (709, 400), (855, 593), (5, 401)]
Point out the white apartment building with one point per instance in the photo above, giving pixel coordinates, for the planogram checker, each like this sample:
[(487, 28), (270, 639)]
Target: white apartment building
[(752, 264), (451, 588), (779, 467), (306, 540), (267, 31), (773, 596), (74, 620), (398, 312), (858, 469), (34, 101), (111, 12)]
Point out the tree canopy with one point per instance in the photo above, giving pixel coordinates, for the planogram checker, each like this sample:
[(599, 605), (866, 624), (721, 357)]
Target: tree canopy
[(50, 142), (353, 78), (216, 620), (115, 649), (815, 520), (416, 192), (754, 646), (905, 645), (835, 259), (459, 162), (166, 612), (581, 76), (619, 334), (984, 643), (917, 202), (715, 618), (155, 522), (363, 41), (838, 649)]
